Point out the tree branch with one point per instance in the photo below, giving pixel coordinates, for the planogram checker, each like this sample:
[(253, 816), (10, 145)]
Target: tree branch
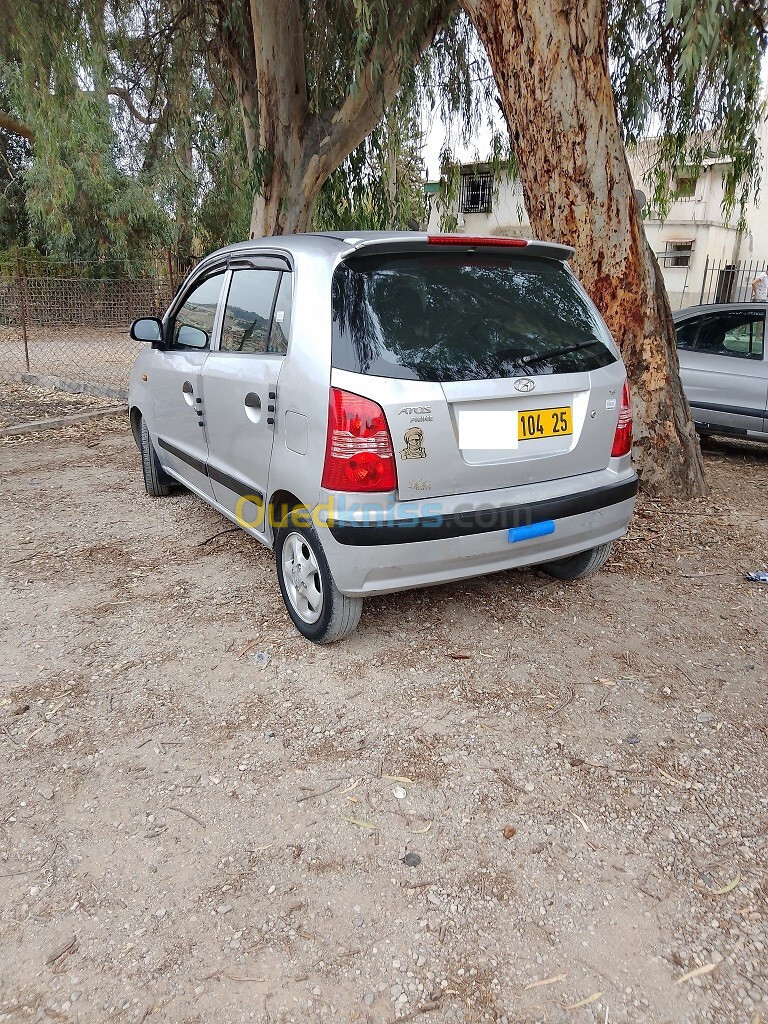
[(226, 51), (127, 99), (155, 140), (345, 127), (16, 127)]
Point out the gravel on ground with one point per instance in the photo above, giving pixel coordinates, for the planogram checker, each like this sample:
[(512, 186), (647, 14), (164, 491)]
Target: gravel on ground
[(509, 799), (22, 403)]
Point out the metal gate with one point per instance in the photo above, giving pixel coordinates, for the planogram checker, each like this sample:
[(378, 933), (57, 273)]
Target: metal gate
[(726, 281)]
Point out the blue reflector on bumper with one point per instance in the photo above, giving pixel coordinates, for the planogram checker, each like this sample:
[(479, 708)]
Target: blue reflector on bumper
[(527, 532)]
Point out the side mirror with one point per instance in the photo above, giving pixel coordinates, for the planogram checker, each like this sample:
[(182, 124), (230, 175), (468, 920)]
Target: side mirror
[(147, 329), (191, 337)]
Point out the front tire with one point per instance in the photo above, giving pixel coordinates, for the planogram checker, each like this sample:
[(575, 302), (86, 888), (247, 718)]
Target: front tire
[(581, 565), (319, 610), (156, 480)]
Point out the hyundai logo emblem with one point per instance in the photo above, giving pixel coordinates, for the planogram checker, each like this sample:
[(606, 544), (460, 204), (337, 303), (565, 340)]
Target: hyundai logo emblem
[(525, 384)]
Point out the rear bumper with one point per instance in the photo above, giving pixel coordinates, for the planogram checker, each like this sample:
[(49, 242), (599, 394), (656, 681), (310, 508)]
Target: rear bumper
[(370, 556), (373, 532)]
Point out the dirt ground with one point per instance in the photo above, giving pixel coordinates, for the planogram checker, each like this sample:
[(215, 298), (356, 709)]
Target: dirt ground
[(189, 834), (22, 403)]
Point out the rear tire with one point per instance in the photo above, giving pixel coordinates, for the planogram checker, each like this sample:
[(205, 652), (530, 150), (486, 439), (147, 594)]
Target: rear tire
[(579, 566), (319, 610), (156, 480)]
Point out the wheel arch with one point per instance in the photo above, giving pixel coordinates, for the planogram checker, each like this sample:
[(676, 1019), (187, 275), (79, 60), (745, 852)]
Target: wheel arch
[(281, 502), (135, 417)]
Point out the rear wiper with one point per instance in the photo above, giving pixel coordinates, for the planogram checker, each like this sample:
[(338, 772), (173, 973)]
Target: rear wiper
[(537, 358)]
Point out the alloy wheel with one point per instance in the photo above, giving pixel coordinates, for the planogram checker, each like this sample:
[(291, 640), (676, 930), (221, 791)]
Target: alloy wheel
[(301, 576)]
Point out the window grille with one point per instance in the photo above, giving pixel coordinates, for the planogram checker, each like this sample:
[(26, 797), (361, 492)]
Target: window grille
[(476, 193)]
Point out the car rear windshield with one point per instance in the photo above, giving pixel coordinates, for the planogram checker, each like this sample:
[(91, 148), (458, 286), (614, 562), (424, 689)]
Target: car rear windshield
[(462, 316)]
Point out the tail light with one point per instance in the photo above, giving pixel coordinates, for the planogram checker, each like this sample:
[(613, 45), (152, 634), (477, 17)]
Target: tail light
[(358, 452), (622, 439)]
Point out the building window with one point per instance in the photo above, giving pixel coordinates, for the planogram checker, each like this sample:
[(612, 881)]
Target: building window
[(678, 254), (476, 193), (685, 183)]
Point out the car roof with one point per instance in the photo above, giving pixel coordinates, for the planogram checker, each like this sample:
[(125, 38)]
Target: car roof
[(346, 242), (719, 307)]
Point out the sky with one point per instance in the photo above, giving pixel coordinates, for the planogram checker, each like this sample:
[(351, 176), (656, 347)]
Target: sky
[(436, 132)]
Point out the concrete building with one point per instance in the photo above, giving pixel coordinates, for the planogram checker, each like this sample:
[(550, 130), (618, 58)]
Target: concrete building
[(702, 254)]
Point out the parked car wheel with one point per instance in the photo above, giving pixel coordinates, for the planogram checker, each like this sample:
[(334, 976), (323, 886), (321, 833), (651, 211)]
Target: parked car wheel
[(156, 480), (319, 610), (579, 566)]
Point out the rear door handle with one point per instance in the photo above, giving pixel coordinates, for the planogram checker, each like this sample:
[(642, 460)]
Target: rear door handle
[(252, 406)]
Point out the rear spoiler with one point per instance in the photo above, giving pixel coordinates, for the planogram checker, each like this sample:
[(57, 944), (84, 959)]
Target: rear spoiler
[(423, 242)]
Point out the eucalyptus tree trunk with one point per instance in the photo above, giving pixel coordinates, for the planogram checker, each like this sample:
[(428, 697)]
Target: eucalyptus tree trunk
[(550, 62), (294, 149)]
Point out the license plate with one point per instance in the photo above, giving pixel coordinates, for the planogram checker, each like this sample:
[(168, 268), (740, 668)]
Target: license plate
[(535, 423)]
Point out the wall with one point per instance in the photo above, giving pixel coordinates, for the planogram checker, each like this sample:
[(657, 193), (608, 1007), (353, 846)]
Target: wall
[(755, 243), (507, 216), (699, 219)]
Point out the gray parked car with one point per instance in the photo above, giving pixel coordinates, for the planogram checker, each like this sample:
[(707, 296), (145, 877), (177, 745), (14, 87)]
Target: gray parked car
[(723, 368), (390, 411)]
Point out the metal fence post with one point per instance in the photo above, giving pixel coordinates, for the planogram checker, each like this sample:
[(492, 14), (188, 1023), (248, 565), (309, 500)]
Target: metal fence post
[(22, 282), (704, 281), (171, 282)]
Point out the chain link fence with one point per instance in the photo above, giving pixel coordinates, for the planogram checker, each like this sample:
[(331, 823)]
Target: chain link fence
[(66, 325)]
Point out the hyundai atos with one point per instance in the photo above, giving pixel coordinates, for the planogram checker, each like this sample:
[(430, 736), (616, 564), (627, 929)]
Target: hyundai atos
[(390, 410)]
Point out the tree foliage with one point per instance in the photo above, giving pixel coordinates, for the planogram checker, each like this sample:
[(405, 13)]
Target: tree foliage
[(14, 158), (148, 128), (78, 199), (688, 73), (380, 186), (133, 140)]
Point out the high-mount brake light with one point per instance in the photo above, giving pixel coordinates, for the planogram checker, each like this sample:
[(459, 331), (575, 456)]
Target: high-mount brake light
[(622, 439), (464, 240), (358, 451)]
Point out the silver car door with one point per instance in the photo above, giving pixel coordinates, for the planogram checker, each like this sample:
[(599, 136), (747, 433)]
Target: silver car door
[(176, 383), (241, 387), (723, 373)]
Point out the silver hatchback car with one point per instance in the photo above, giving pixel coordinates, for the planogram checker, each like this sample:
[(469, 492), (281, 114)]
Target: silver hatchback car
[(390, 410), (724, 368)]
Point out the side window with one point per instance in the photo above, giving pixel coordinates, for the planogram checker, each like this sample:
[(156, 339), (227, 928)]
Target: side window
[(281, 322), (248, 311), (746, 339), (686, 333), (193, 323), (732, 334)]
